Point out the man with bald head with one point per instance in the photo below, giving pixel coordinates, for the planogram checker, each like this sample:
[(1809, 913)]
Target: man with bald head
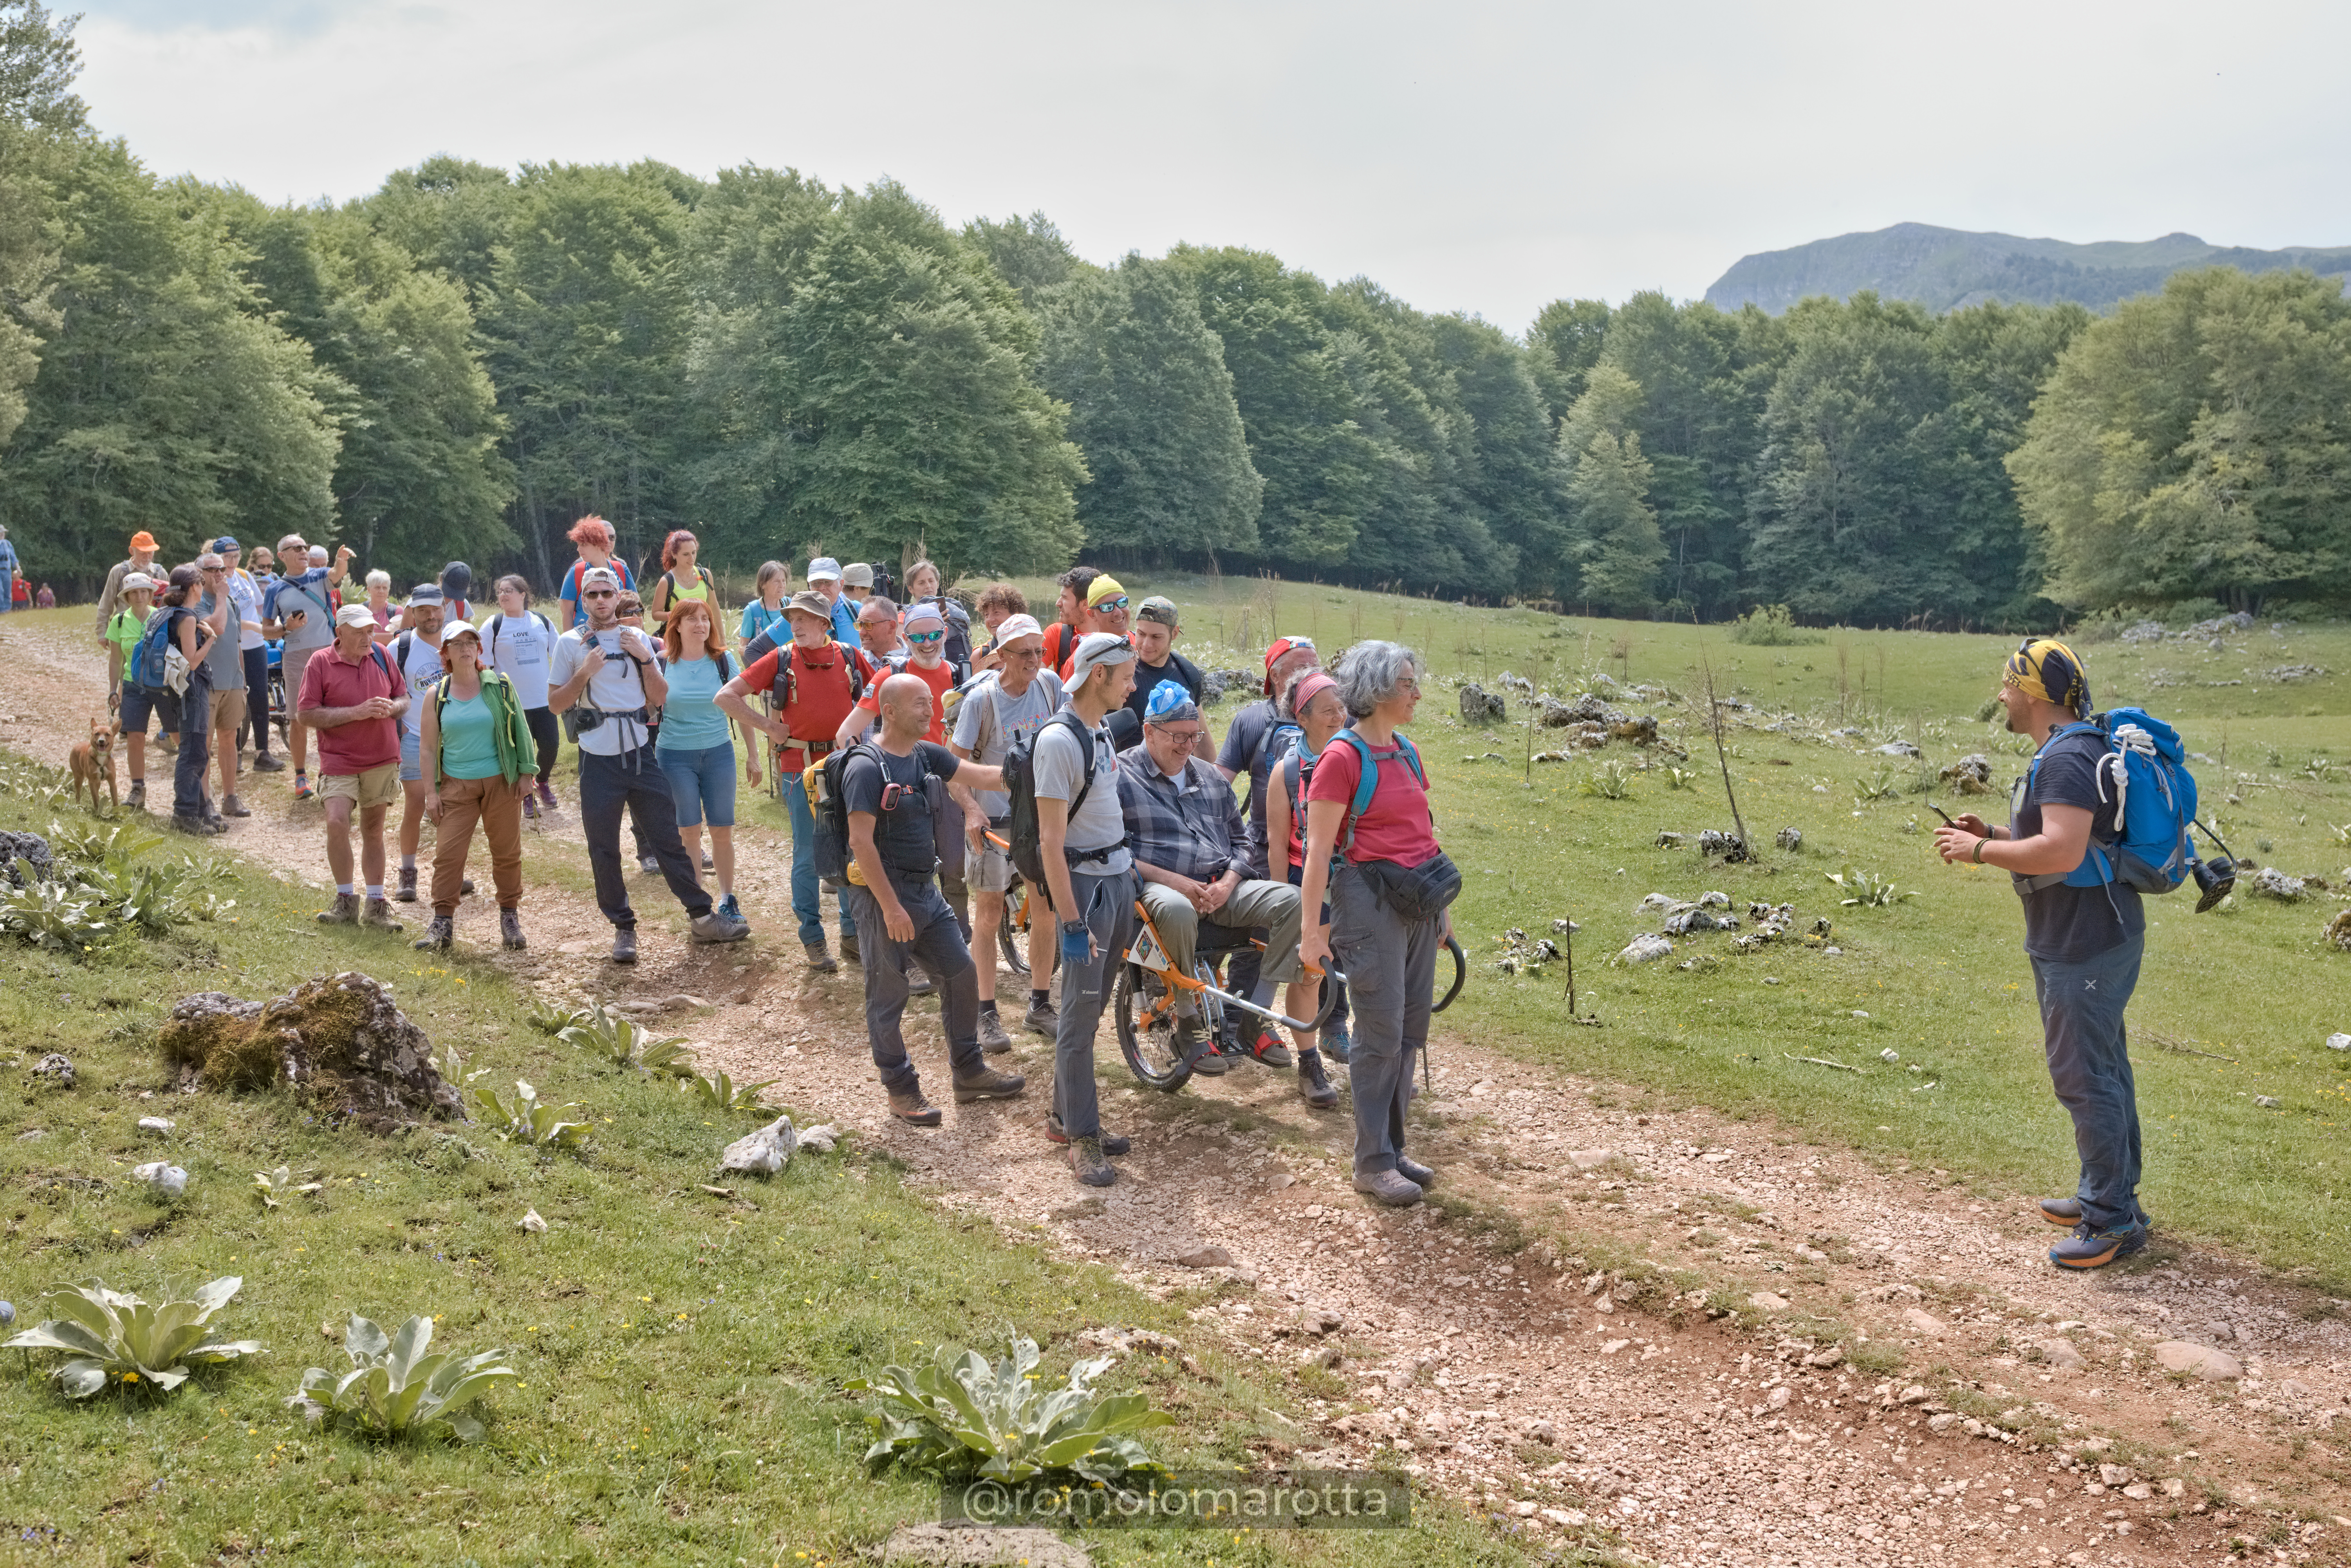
[(895, 792)]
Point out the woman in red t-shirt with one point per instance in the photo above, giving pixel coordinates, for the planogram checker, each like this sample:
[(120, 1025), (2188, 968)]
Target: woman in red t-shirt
[(1390, 960)]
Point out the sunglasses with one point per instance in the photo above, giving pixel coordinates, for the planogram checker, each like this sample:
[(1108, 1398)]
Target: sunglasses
[(1120, 602), (599, 593), (926, 637)]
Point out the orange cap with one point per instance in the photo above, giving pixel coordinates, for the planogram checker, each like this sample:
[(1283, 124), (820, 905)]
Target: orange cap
[(142, 540)]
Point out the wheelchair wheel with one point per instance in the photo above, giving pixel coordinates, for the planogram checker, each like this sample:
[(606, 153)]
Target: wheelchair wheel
[(279, 714), (1145, 1009), (1012, 932)]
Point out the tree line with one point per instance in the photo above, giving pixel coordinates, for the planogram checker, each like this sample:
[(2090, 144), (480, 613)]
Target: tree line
[(462, 363)]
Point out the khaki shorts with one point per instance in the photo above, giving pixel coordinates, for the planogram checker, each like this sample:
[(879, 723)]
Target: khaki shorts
[(376, 787), (228, 710), (987, 869)]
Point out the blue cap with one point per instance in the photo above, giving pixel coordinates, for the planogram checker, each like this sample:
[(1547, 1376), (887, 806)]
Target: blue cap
[(225, 544)]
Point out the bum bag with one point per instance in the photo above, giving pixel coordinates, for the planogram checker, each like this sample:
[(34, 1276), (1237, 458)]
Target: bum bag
[(1414, 893)]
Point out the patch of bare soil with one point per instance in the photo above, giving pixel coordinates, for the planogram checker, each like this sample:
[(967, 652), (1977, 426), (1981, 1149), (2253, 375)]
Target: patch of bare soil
[(1702, 1341)]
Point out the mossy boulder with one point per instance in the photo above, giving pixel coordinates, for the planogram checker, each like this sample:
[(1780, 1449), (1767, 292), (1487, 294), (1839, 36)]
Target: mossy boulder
[(339, 1042)]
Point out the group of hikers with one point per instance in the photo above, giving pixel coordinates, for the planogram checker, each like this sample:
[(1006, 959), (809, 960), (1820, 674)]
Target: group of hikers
[(922, 708), (932, 757)]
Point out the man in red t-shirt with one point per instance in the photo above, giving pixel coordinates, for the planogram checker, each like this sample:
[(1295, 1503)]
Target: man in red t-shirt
[(353, 697), (816, 682)]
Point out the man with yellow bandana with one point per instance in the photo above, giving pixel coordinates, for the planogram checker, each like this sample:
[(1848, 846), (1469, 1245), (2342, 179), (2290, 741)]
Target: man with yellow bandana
[(2085, 943)]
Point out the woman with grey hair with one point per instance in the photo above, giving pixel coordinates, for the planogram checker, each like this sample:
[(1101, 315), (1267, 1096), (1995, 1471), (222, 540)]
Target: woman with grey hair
[(1370, 848)]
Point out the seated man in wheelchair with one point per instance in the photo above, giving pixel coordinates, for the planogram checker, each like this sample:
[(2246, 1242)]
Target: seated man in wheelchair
[(1184, 829)]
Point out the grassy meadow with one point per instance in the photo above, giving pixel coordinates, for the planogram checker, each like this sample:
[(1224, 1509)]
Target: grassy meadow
[(2231, 1005)]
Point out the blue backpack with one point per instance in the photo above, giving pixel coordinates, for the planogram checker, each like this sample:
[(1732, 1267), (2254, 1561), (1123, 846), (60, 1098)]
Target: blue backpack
[(1368, 782), (2144, 773), (151, 661)]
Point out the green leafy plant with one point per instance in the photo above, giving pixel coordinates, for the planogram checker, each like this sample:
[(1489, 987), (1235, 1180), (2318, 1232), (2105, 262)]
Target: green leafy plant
[(1681, 778), (272, 1186), (1879, 784), (628, 1043), (963, 1416), (53, 914), (115, 1337), (554, 1018), (524, 1120), (2342, 834), (720, 1093), (396, 1389), (1868, 889), (1772, 626), (1608, 781)]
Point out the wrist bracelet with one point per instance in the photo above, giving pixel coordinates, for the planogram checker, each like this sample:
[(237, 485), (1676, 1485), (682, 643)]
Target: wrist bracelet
[(1977, 857)]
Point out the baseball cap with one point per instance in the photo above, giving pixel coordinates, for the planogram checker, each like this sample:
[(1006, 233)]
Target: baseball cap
[(355, 615), (1013, 627), (1097, 650), (1276, 649), (824, 569), (1157, 610), (1105, 587), (806, 603), (426, 594), (142, 540), (225, 544), (138, 582), (856, 574), (454, 629), (599, 577)]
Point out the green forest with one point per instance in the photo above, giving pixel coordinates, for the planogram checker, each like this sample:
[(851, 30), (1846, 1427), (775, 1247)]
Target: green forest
[(464, 362)]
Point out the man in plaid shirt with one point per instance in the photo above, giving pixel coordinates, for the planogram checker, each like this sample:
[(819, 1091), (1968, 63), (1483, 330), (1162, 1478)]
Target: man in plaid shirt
[(1191, 853)]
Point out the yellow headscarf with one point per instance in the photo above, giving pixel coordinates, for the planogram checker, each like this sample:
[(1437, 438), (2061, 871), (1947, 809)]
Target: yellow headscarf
[(2045, 668)]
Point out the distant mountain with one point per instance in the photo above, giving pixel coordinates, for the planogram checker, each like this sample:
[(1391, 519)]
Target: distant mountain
[(1944, 270)]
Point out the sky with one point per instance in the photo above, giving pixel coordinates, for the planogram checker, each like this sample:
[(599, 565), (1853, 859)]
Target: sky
[(1484, 158)]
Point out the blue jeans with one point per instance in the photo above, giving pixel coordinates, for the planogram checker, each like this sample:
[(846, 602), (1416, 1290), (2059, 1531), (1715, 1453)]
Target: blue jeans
[(7, 592), (806, 887), (2089, 1064), (703, 783)]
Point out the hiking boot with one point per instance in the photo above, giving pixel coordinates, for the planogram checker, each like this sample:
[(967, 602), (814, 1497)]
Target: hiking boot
[(707, 863), (624, 945), (1112, 1143), (302, 791), (1395, 1190), (510, 936), (909, 1106), (649, 865), (1413, 1171), (1336, 1041), (1206, 1061), (404, 891), (1313, 1086), (530, 807), (1087, 1163), (344, 911), (713, 926), (1267, 1049), (918, 982), (1041, 1019), (992, 1037), (137, 799), (439, 933), (194, 827), (849, 947), (2090, 1247), (545, 797), (2067, 1212), (987, 1083), (232, 806), (729, 908), (266, 762), (377, 917), (822, 962)]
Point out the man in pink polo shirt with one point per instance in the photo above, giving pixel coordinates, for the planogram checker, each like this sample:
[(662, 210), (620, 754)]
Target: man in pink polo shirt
[(352, 698)]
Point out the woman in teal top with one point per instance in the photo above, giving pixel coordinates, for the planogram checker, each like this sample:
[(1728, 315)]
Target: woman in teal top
[(477, 756), (766, 613), (696, 745)]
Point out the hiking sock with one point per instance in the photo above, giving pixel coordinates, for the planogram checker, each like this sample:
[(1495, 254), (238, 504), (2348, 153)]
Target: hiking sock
[(343, 888), (408, 862), (1037, 998), (375, 891), (987, 1008)]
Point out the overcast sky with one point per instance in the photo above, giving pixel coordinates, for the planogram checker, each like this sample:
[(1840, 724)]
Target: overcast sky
[(1475, 157)]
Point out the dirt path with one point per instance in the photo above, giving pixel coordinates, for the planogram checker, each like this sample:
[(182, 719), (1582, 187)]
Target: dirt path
[(1567, 1383)]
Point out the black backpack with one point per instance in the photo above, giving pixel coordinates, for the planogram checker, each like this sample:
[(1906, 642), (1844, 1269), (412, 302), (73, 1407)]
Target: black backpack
[(829, 804), (1020, 783)]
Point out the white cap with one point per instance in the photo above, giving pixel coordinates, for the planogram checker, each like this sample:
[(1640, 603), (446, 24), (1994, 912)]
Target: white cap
[(824, 569), (355, 615), (1013, 626), (138, 582), (1097, 650)]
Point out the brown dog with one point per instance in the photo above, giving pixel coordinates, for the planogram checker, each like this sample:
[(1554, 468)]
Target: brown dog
[(91, 757)]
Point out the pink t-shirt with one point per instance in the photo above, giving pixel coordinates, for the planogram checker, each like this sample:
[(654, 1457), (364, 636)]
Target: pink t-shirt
[(1395, 825), (330, 681)]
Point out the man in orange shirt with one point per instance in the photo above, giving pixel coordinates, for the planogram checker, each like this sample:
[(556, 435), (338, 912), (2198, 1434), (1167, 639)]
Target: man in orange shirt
[(816, 683)]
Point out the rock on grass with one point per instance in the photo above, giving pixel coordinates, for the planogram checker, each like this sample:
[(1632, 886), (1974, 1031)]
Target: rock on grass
[(341, 1042)]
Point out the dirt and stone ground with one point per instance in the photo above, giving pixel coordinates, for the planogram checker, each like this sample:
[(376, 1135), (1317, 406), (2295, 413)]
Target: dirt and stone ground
[(1705, 1340)]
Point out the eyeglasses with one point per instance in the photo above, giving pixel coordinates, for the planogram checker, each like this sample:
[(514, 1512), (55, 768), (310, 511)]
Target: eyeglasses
[(925, 637), (1120, 602), (1181, 737)]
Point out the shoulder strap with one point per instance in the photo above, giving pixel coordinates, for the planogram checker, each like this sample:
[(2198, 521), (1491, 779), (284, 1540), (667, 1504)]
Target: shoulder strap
[(375, 651)]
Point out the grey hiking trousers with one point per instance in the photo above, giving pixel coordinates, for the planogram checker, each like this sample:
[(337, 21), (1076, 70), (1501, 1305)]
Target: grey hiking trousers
[(1391, 968)]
